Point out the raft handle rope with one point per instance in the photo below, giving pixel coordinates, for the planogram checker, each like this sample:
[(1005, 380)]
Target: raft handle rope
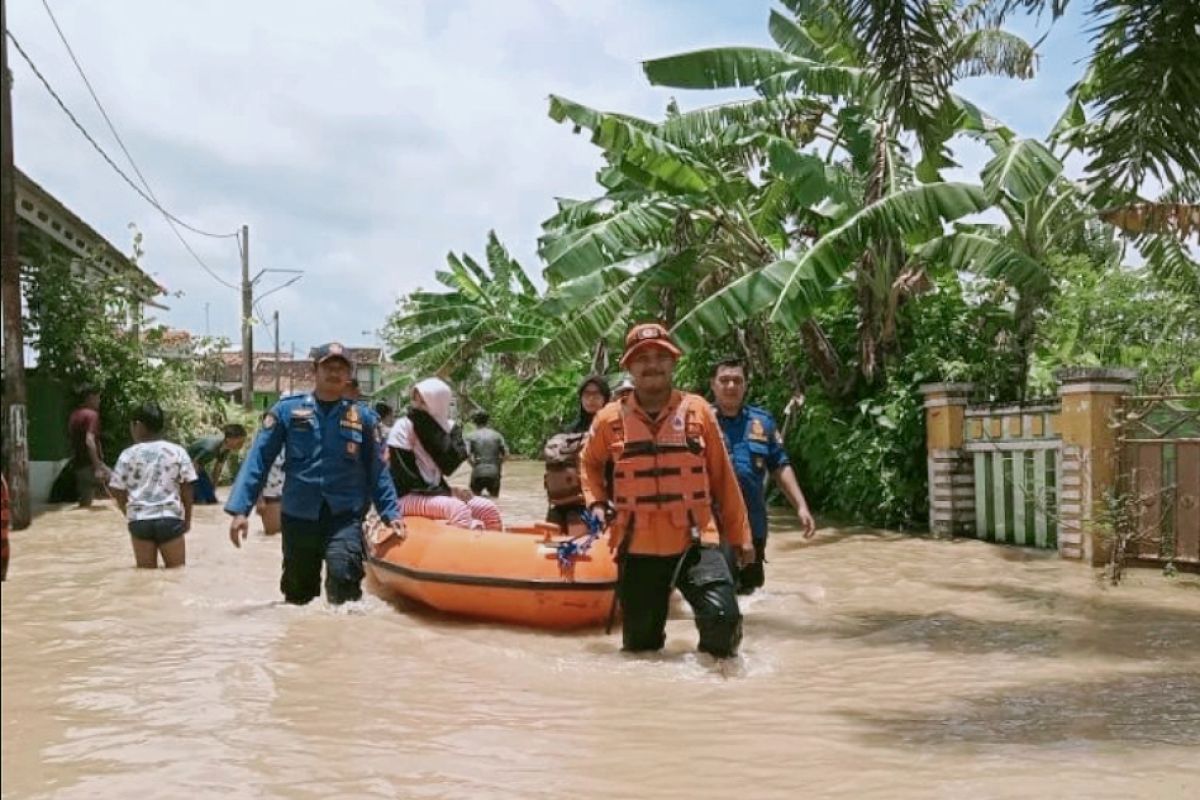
[(577, 546)]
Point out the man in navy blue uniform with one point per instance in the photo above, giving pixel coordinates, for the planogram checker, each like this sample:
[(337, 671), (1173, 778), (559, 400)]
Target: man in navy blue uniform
[(756, 449), (333, 469)]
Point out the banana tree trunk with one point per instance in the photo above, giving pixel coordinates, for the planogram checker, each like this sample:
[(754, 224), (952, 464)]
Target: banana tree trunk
[(600, 358), (825, 359)]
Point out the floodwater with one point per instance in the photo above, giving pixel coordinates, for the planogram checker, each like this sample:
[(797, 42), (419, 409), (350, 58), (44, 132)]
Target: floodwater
[(874, 666)]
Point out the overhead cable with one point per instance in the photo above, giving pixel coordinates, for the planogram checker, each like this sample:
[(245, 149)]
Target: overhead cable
[(75, 121)]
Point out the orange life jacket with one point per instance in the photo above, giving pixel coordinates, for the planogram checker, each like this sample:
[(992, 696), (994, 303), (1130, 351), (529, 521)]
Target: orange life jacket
[(562, 483), (660, 470)]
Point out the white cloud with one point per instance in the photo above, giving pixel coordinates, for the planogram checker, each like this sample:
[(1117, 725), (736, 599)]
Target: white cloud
[(360, 141)]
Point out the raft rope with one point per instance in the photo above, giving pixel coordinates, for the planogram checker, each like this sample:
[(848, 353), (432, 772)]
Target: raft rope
[(577, 546)]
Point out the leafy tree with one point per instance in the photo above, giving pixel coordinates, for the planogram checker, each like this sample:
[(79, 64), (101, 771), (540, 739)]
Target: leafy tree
[(88, 330), (873, 208)]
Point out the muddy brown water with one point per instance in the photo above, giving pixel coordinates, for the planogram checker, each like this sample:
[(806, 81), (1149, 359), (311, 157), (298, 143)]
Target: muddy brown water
[(874, 666)]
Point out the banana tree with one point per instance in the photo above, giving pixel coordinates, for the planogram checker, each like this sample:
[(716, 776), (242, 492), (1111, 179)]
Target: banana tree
[(490, 315), (828, 51), (691, 203)]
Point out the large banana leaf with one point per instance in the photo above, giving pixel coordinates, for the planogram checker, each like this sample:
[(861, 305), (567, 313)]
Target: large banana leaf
[(631, 230), (718, 68), (672, 166), (593, 323), (561, 108), (914, 211), (986, 255), (460, 279), (815, 78), (574, 213), (515, 344), (578, 292), (500, 263), (432, 339), (793, 288), (792, 38), (1023, 169), (731, 123), (729, 308), (481, 276), (627, 140), (437, 313), (805, 172)]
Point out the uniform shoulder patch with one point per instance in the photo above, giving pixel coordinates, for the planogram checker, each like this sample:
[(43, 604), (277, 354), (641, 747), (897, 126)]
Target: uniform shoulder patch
[(269, 420)]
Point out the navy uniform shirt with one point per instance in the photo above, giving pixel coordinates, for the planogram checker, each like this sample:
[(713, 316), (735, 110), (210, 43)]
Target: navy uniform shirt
[(756, 449), (333, 456)]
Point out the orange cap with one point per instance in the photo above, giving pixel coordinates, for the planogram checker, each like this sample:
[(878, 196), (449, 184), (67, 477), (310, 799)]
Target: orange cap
[(650, 334)]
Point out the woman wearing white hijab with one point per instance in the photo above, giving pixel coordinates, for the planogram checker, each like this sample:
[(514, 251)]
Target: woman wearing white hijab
[(425, 446)]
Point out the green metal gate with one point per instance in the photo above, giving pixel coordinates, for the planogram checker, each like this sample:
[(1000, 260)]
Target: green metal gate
[(1017, 473)]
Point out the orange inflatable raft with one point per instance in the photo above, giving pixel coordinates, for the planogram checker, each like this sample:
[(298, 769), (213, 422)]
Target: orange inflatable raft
[(511, 576)]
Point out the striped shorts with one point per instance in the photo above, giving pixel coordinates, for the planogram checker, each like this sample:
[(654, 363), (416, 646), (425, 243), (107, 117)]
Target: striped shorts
[(478, 513)]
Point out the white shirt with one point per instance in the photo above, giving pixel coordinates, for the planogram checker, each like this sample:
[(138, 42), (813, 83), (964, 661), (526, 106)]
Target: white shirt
[(274, 485), (151, 474)]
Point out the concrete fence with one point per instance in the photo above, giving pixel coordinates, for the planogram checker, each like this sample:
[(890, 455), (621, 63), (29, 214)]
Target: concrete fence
[(1032, 474)]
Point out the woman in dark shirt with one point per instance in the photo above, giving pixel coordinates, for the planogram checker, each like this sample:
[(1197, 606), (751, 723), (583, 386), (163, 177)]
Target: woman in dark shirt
[(562, 470)]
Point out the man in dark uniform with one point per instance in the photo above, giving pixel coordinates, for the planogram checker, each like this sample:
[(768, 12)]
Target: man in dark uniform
[(756, 449), (332, 470)]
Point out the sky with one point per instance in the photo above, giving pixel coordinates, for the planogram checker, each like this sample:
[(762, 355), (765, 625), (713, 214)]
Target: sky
[(362, 141)]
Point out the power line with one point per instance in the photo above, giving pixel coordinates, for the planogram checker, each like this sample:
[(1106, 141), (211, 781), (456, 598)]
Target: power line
[(112, 129), (167, 214)]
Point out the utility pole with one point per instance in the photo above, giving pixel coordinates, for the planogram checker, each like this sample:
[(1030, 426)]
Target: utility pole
[(247, 327), (15, 428), (277, 374)]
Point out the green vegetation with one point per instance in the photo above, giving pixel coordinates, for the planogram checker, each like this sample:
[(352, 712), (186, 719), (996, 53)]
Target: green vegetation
[(87, 329), (809, 229)]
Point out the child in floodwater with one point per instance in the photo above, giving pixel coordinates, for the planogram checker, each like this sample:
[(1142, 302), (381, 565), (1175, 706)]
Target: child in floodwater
[(152, 484)]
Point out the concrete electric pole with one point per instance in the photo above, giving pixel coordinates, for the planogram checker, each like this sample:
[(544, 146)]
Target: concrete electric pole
[(247, 327), (15, 428)]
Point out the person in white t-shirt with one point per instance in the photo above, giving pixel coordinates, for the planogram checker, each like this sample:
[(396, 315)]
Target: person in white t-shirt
[(152, 484)]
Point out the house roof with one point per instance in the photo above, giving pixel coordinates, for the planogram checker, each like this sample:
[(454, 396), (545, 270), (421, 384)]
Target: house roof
[(235, 356), (45, 212), (293, 375)]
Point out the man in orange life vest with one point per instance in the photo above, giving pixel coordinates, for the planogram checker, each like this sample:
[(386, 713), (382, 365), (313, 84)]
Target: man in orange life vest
[(673, 490)]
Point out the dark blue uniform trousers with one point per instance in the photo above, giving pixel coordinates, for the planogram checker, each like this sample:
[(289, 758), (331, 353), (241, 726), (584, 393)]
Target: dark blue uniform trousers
[(335, 539)]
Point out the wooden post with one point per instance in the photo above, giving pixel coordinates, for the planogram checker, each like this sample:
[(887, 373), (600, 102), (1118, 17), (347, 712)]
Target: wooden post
[(15, 422), (951, 497), (1088, 426)]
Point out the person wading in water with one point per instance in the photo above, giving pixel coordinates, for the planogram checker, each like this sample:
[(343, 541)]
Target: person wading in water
[(673, 489), (757, 450), (487, 452), (561, 456), (332, 471)]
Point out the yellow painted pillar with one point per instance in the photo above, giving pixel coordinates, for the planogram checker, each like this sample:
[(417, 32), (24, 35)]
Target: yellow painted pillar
[(951, 498), (1088, 426)]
